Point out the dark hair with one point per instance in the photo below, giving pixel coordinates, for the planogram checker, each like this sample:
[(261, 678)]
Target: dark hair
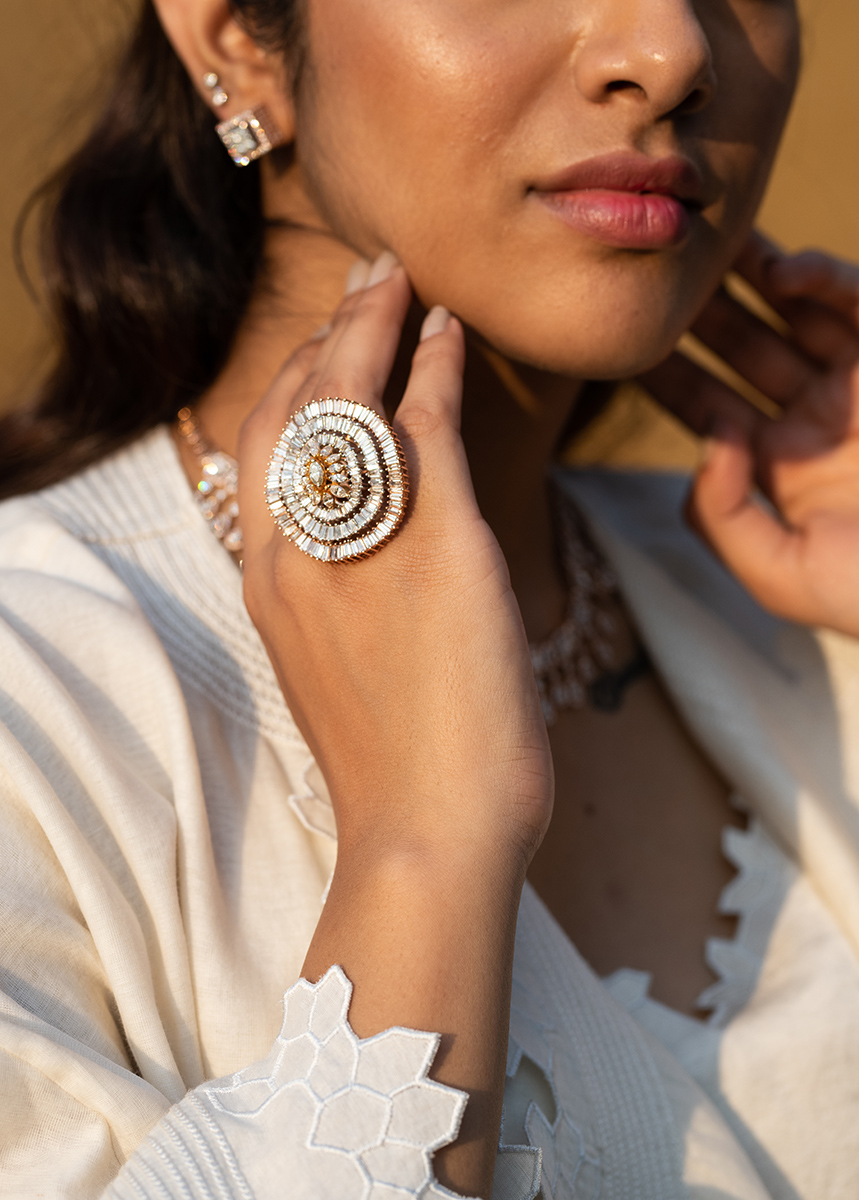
[(151, 241)]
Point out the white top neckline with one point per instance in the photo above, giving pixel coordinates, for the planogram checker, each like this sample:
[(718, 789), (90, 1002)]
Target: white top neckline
[(754, 896), (199, 770)]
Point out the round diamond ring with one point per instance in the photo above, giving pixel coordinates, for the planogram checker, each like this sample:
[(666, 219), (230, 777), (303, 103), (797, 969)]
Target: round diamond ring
[(336, 482)]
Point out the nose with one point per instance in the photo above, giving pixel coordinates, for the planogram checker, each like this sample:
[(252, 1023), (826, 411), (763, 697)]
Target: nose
[(654, 53)]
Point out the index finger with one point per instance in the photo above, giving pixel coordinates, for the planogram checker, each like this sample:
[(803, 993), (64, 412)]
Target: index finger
[(356, 359), (811, 274), (352, 362)]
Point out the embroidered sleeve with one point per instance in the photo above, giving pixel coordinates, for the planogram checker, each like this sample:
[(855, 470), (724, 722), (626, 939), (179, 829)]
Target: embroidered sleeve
[(326, 1116)]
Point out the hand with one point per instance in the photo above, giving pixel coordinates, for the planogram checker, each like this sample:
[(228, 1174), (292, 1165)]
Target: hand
[(799, 553), (409, 675), (408, 672)]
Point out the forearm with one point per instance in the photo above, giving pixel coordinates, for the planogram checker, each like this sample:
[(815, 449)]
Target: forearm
[(410, 678), (426, 936)]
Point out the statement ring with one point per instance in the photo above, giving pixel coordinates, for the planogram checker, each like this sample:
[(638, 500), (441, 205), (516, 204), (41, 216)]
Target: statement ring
[(336, 483)]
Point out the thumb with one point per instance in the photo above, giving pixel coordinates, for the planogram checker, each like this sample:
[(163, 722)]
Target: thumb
[(741, 529)]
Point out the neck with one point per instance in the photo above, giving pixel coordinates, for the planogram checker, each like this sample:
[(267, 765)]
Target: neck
[(512, 415)]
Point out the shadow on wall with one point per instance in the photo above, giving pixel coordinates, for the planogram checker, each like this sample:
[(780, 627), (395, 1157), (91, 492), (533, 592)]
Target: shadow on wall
[(55, 64)]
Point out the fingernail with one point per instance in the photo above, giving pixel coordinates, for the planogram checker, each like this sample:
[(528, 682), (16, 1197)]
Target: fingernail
[(322, 332), (382, 268), (434, 322), (357, 277)]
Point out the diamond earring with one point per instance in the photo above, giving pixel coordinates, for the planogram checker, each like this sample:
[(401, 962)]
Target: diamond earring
[(249, 135), (211, 81)]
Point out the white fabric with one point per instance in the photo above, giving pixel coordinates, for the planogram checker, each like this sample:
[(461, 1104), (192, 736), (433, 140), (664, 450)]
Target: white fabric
[(338, 1116), (775, 706), (166, 841)]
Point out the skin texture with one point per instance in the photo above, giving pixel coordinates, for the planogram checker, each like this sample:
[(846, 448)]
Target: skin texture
[(424, 129), (493, 97)]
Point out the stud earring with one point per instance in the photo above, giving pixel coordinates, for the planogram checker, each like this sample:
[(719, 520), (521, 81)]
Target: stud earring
[(211, 81), (249, 135)]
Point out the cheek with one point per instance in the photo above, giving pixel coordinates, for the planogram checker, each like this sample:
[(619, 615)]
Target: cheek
[(757, 66), (410, 109), (422, 119)]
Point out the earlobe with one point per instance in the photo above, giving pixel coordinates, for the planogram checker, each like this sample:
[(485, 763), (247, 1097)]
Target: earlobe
[(233, 74)]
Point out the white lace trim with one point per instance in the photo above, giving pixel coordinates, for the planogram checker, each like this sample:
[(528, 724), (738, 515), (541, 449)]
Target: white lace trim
[(313, 805), (755, 896), (325, 1116), (560, 1161), (557, 1123)]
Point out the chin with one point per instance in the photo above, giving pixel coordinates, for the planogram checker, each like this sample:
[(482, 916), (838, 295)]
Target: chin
[(593, 321), (612, 346)]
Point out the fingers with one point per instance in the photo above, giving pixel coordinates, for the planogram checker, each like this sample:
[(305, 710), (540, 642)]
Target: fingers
[(820, 276), (788, 369), (770, 363), (357, 356), (353, 359), (428, 418), (434, 390), (816, 294), (697, 398), (352, 356), (753, 544)]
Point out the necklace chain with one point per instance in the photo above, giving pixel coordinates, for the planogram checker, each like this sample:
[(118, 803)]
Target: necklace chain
[(572, 666), (579, 650), (216, 490)]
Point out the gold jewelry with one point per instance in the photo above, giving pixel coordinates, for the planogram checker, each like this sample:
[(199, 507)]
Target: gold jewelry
[(249, 135), (215, 492), (571, 666), (336, 483)]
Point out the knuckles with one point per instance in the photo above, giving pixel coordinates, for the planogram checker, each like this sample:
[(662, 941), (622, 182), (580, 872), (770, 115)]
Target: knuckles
[(420, 421)]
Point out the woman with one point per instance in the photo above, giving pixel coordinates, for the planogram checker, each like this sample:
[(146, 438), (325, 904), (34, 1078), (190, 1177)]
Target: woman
[(572, 181)]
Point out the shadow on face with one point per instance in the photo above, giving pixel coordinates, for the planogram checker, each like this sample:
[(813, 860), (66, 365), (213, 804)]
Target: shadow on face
[(572, 179)]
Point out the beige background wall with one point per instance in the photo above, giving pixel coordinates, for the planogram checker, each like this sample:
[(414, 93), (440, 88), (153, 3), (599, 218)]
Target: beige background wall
[(55, 51), (53, 64)]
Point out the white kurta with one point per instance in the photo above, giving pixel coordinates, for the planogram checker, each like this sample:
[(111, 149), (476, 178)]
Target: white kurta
[(165, 843)]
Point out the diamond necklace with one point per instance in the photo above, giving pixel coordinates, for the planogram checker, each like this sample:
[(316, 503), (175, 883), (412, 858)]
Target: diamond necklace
[(572, 666), (574, 653), (216, 490)]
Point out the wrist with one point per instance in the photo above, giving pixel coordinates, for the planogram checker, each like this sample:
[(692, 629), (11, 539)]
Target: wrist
[(406, 914), (434, 846)]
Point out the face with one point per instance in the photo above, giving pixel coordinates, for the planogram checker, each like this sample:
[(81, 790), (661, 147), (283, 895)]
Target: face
[(570, 177)]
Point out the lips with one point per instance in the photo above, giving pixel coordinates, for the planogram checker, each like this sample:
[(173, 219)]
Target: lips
[(625, 200)]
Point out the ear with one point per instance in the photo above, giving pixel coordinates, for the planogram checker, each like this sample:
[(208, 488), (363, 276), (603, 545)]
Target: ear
[(207, 38)]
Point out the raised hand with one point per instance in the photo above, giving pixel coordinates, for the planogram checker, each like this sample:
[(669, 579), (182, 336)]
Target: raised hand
[(399, 666), (778, 498), (409, 674)]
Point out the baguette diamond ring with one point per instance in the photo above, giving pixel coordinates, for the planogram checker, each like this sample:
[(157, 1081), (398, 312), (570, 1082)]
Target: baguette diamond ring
[(336, 483)]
